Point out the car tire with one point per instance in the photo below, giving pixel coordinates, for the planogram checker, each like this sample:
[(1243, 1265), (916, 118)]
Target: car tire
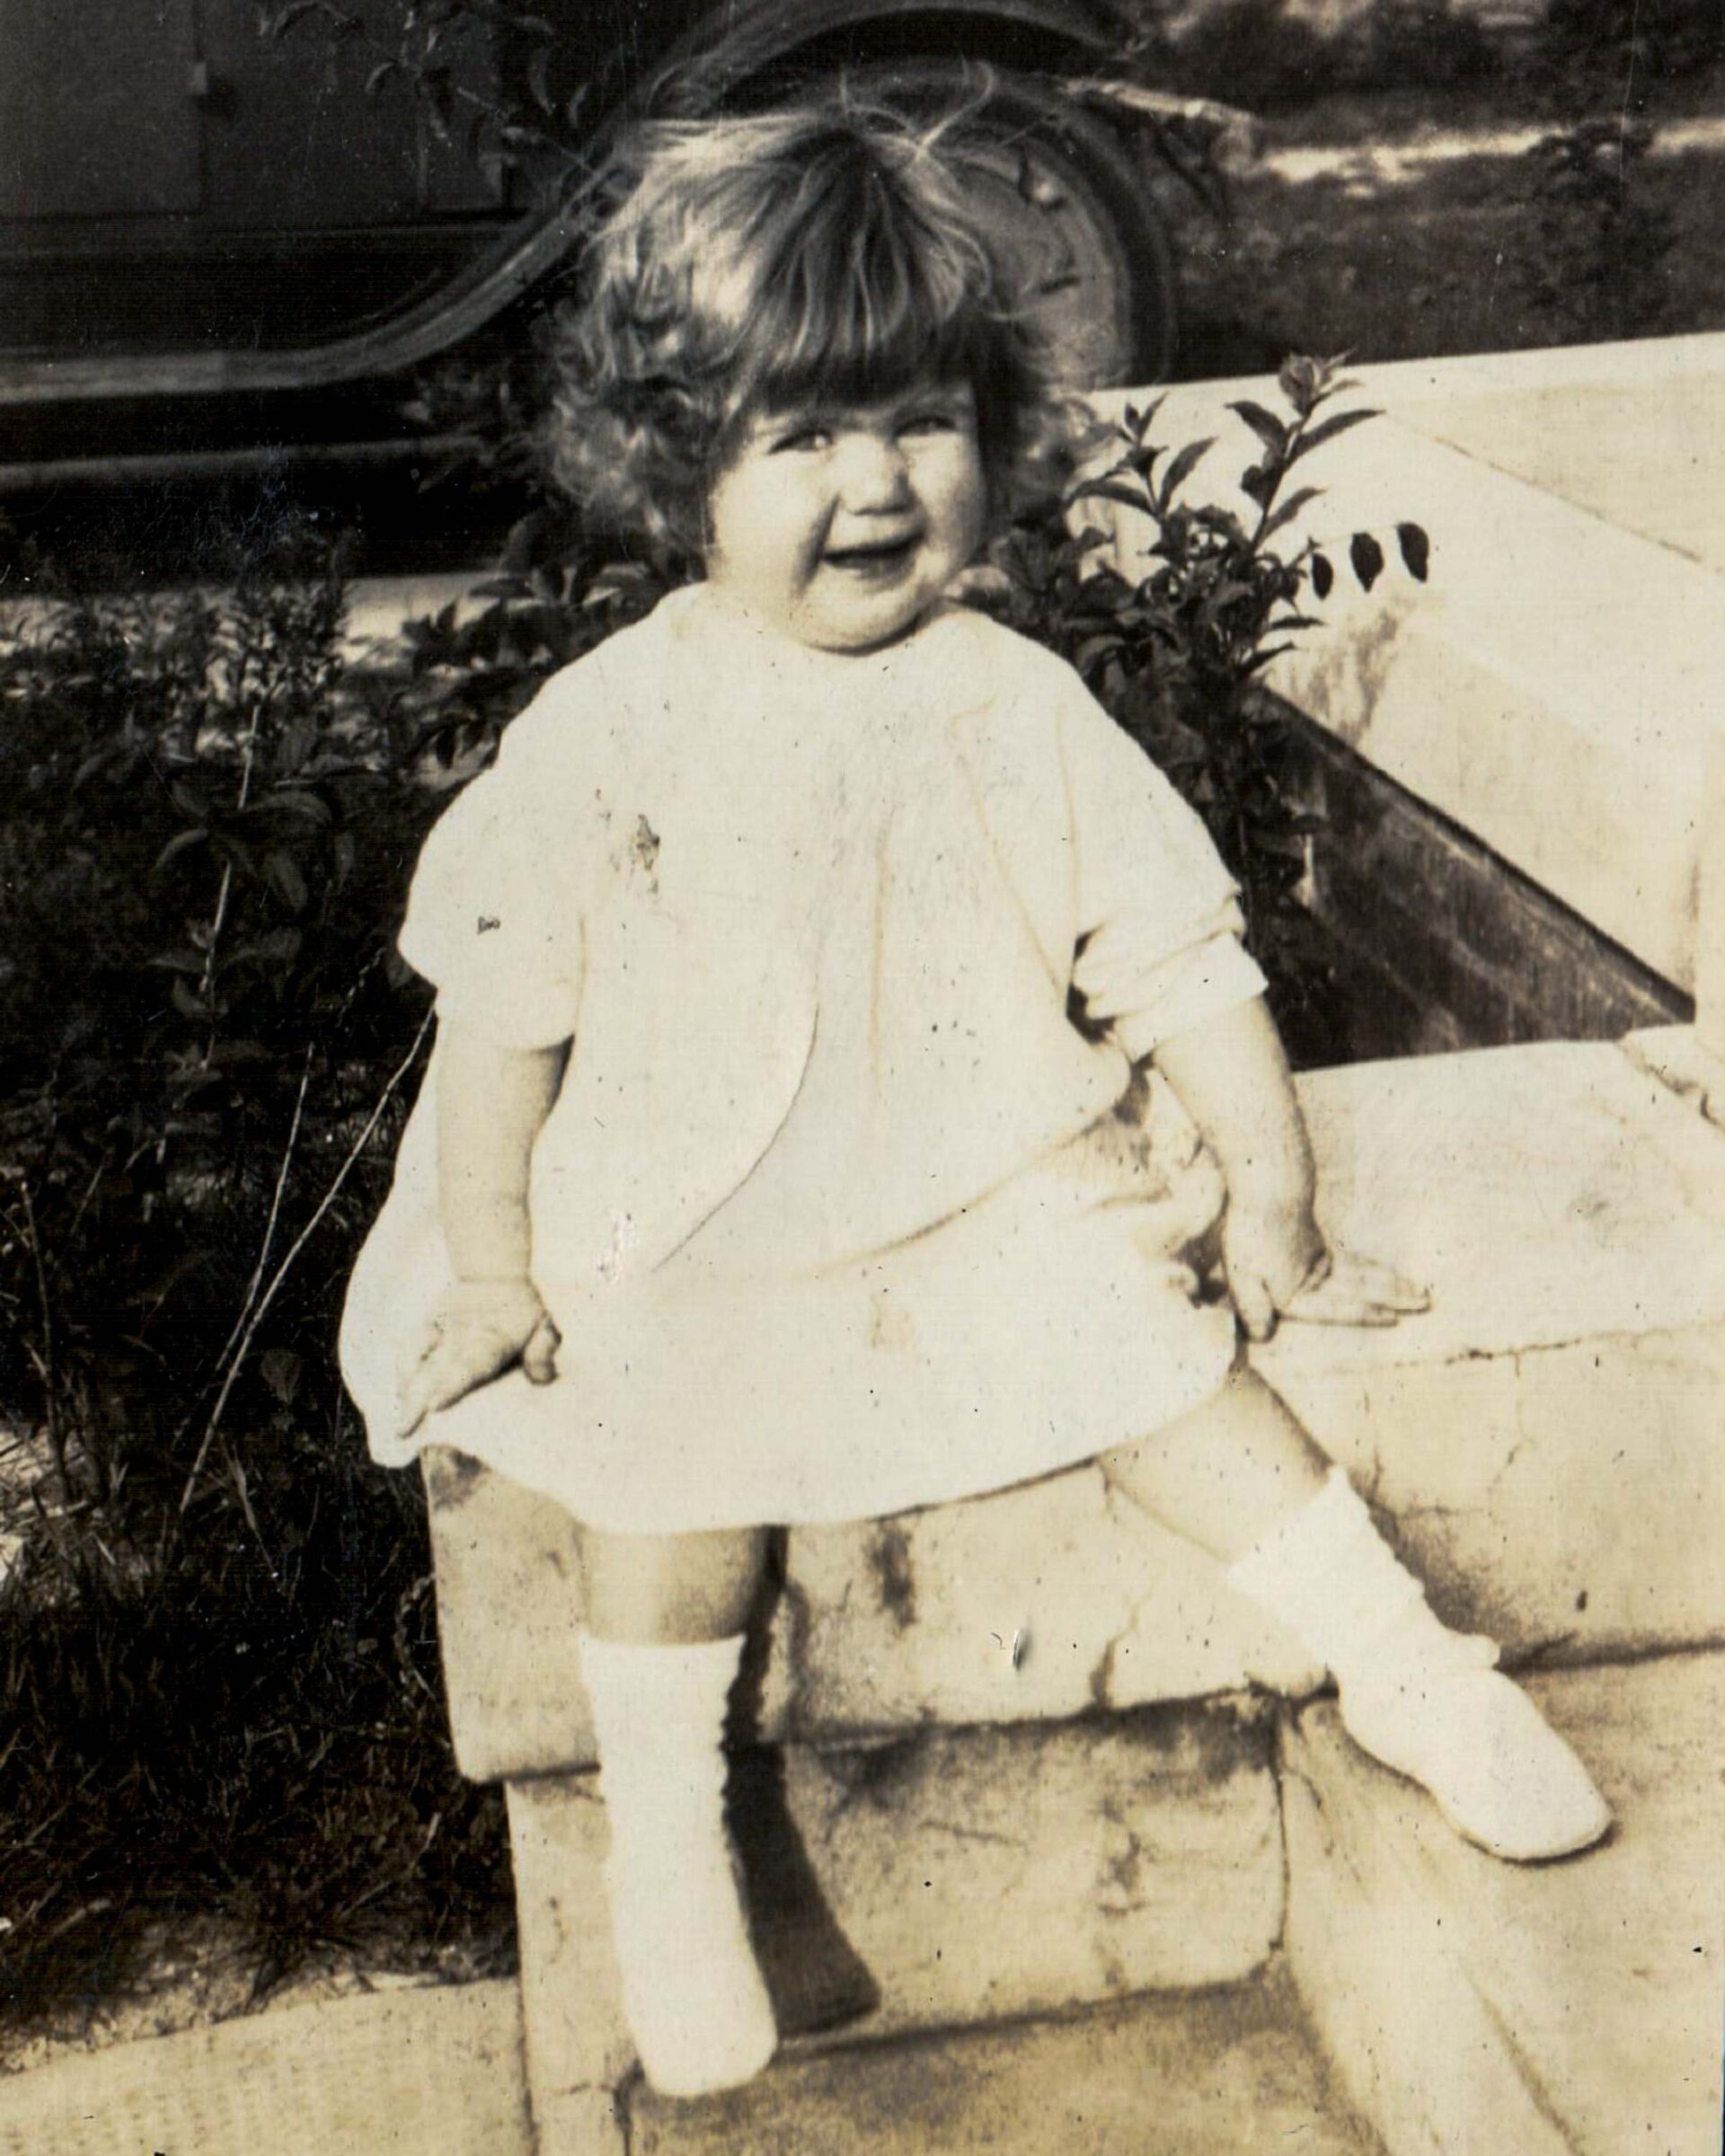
[(1066, 201)]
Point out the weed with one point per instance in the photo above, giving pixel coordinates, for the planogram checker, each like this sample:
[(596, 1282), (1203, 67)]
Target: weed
[(217, 1667)]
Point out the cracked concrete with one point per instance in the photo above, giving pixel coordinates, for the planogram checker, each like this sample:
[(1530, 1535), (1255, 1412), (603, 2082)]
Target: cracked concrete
[(1003, 1871), (1583, 1996), (1681, 1061), (962, 1877)]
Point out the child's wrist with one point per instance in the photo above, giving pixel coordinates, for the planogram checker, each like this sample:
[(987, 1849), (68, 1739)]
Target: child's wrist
[(491, 1291), (1282, 1193)]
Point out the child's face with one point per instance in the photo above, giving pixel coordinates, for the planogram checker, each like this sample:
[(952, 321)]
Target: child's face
[(843, 526)]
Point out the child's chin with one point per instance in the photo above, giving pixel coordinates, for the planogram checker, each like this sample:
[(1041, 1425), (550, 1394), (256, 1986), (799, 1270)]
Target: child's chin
[(864, 626)]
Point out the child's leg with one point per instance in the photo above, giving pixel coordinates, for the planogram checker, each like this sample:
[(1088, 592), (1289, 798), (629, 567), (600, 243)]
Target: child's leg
[(664, 1590), (1224, 1475), (666, 1616), (1241, 1477)]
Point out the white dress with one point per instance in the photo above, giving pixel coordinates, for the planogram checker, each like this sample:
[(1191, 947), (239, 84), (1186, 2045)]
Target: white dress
[(816, 1211)]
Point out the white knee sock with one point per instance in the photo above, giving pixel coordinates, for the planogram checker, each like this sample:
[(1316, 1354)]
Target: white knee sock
[(1423, 1700), (1329, 1576), (692, 1989)]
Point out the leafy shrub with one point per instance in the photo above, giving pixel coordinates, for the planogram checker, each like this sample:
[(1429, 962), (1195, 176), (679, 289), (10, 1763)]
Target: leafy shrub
[(218, 1672), (1177, 653), (1598, 237), (1598, 51), (1414, 44), (1273, 58), (1596, 260)]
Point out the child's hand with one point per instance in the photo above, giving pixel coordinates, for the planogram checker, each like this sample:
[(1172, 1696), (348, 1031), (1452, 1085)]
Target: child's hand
[(1277, 1264), (479, 1329), (1355, 1291)]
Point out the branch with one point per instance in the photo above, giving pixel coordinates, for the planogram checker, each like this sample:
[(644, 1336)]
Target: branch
[(291, 1256)]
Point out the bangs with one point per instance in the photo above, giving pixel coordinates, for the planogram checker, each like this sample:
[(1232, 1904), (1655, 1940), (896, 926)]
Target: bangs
[(857, 296), (820, 255)]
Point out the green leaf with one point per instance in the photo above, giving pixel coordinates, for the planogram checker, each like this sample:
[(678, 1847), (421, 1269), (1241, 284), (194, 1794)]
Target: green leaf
[(1302, 380), (1416, 550), (277, 21), (1269, 430), (281, 1367), (179, 844), (1182, 469), (1290, 510), (1323, 577), (309, 808), (1326, 430), (1367, 558), (283, 874), (1137, 424), (1107, 490), (280, 947)]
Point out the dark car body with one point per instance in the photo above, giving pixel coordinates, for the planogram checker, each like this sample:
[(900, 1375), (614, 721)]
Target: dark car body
[(230, 247)]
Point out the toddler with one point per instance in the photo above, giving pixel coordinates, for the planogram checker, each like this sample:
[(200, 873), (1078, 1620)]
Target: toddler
[(761, 1174)]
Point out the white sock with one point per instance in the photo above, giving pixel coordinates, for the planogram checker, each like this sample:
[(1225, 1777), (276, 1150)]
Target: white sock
[(692, 1991), (1422, 1699), (1329, 1576)]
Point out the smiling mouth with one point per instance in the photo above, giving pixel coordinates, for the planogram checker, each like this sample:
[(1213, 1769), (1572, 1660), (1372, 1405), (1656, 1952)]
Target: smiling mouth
[(879, 558)]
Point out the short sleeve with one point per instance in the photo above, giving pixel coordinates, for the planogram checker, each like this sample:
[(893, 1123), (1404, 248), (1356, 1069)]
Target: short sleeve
[(496, 913), (1158, 915)]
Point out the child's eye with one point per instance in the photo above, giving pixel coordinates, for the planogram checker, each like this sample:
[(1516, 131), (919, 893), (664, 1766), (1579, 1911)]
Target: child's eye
[(813, 436), (934, 421)]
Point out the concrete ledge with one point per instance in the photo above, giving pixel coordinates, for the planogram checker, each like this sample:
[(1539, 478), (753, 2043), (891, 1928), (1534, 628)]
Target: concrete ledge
[(1628, 432), (1547, 1437), (1569, 2009), (942, 1880), (1554, 688), (435, 2072), (1037, 1603)]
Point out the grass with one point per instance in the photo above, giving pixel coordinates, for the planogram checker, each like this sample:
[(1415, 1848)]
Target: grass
[(250, 1732)]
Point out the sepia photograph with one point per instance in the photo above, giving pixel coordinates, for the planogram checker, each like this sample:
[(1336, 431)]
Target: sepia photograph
[(862, 1077)]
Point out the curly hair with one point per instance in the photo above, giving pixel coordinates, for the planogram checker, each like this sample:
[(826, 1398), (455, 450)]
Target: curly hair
[(820, 254)]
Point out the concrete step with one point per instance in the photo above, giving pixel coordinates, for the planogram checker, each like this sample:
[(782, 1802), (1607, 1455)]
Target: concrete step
[(1546, 1439), (943, 1879), (1563, 2009), (1232, 2069), (421, 2072)]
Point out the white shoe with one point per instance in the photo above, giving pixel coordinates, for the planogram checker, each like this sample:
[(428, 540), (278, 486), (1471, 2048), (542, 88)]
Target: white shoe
[(1493, 1766), (1420, 1699)]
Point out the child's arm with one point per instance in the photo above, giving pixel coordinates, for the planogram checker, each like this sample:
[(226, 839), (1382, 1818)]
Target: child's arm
[(1231, 1078), (491, 1103)]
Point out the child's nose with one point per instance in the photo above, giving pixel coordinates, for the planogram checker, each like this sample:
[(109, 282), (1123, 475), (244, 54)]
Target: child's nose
[(873, 473)]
